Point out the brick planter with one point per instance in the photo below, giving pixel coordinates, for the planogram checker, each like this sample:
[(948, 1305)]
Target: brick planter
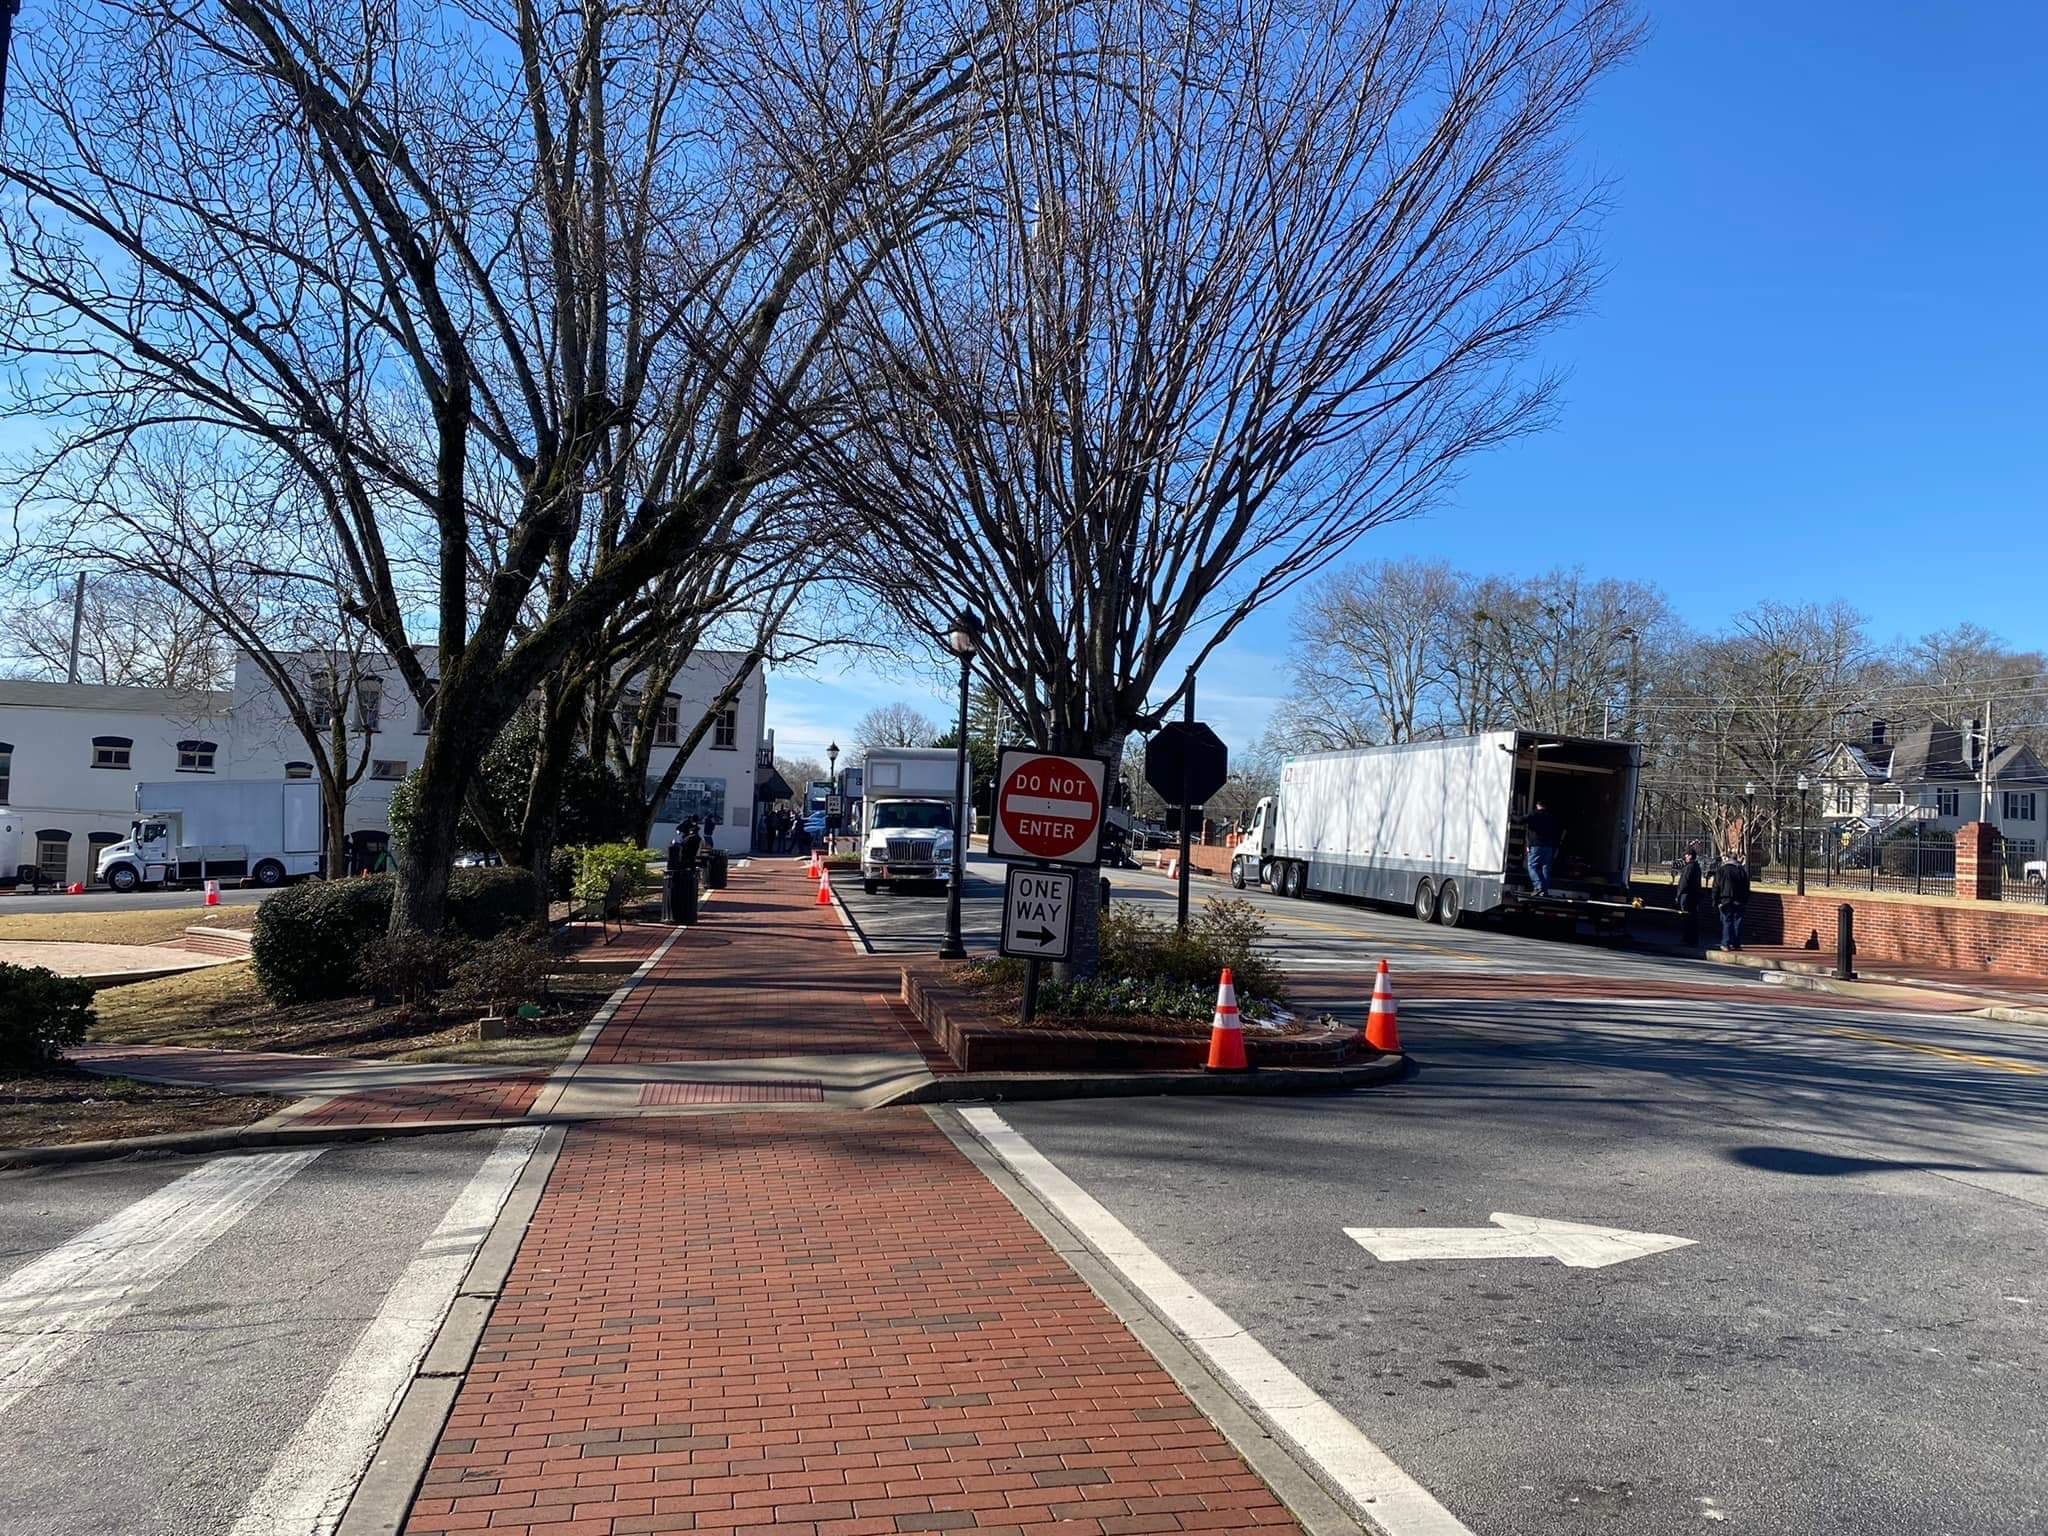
[(983, 1040)]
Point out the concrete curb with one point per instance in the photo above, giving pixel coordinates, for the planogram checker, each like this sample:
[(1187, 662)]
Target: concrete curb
[(1018, 1087), (1319, 1512), (237, 1138), (385, 1495), (1871, 986)]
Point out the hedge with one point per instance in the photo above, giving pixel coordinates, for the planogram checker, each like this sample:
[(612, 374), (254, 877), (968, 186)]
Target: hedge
[(41, 1013), (308, 937)]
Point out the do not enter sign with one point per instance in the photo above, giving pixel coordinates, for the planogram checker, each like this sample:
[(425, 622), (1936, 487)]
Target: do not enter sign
[(1048, 807)]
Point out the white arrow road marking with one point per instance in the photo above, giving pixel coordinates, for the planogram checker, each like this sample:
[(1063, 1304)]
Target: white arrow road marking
[(309, 1484), (1367, 1475), (1516, 1237), (50, 1307)]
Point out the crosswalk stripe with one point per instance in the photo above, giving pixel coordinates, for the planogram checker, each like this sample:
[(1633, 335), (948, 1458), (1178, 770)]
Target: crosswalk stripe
[(307, 1489), (52, 1306)]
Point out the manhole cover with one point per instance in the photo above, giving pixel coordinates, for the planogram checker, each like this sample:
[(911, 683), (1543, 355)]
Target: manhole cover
[(732, 1093)]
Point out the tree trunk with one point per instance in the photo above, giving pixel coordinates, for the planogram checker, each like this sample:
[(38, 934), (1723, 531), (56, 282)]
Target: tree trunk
[(420, 904), (1085, 955)]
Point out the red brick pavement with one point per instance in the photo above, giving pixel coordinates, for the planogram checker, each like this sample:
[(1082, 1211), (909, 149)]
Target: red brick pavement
[(503, 1097), (1341, 992), (766, 973), (812, 1326)]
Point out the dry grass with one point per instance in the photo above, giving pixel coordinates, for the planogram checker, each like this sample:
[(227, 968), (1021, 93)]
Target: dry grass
[(223, 1008), (154, 926), (56, 1108)]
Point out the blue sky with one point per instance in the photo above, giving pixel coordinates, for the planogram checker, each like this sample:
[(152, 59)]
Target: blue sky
[(1815, 369)]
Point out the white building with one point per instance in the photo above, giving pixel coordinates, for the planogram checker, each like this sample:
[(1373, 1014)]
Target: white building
[(72, 754)]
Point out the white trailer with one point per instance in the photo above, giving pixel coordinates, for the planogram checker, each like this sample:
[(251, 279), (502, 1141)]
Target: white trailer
[(906, 816), (189, 830), (1438, 826)]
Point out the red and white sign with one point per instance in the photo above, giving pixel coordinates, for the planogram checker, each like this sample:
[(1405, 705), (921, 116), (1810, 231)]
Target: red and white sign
[(1048, 807)]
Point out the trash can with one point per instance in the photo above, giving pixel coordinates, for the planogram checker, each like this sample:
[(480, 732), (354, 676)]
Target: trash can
[(714, 869), (679, 894)]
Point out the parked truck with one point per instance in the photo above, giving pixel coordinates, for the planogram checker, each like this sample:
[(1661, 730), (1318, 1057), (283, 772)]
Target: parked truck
[(190, 830), (1439, 827), (907, 817)]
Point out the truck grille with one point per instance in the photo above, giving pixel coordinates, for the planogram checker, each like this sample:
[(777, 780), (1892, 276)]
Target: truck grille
[(903, 851)]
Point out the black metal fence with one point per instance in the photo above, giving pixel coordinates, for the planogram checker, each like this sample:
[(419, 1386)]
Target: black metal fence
[(1913, 861)]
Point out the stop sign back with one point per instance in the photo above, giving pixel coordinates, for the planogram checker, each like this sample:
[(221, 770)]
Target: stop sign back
[(1048, 807)]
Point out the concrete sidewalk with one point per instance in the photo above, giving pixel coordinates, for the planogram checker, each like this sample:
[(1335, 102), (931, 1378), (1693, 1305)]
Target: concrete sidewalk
[(825, 1325), (108, 964)]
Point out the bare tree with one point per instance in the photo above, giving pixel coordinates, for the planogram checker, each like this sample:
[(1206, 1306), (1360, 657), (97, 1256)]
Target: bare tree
[(134, 633), (893, 725), (502, 283), (1375, 651), (1255, 281)]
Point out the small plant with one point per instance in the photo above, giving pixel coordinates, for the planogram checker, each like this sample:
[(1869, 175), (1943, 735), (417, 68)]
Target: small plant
[(497, 976), (608, 874), (41, 1013), (409, 968)]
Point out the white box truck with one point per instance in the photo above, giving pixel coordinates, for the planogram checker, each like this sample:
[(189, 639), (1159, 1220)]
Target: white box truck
[(1438, 826), (906, 817), (267, 830)]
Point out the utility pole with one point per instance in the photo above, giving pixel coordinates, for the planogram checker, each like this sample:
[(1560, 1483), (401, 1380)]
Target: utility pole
[(77, 591), (8, 10)]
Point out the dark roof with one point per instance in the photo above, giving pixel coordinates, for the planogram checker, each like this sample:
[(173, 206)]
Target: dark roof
[(1933, 754)]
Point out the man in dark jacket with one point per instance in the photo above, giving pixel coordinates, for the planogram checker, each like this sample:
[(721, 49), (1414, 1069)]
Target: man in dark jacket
[(1731, 895), (1541, 833), (1689, 891)]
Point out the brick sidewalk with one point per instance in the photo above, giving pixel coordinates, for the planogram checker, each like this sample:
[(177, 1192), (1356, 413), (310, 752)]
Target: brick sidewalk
[(812, 1326)]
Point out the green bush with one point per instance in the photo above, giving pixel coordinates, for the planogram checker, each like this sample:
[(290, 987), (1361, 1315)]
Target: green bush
[(408, 967), (562, 874), (499, 974), (40, 1014), (608, 873), (309, 938)]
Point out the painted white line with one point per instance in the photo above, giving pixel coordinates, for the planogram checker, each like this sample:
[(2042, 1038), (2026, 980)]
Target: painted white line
[(51, 1307), (1571, 1243), (1396, 1503), (309, 1484)]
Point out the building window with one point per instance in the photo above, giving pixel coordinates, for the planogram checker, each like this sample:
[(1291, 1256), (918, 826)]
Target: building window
[(111, 751), (53, 854), (94, 842), (1948, 802), (1845, 800), (298, 770), (6, 769), (369, 704), (668, 725), (195, 756), (388, 769), (320, 701), (2019, 849), (425, 720), (2019, 805), (702, 798), (725, 729)]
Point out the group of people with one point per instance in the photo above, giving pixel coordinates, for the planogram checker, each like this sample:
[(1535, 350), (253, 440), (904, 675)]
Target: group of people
[(1728, 887), (784, 831)]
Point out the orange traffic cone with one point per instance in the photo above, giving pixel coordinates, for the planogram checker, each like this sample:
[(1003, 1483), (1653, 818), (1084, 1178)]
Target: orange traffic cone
[(1226, 1034), (817, 870), (77, 888), (1382, 1026), (824, 889), (213, 893)]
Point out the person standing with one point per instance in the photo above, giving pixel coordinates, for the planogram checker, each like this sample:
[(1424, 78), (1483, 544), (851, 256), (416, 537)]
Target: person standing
[(1541, 833), (1731, 895), (1690, 889)]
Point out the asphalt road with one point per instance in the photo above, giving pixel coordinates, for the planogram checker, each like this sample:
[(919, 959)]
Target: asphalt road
[(167, 1417), (113, 901), (1856, 1343)]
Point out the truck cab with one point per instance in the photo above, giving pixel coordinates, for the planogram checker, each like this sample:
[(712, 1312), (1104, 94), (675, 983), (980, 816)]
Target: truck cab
[(1251, 858), (906, 841)]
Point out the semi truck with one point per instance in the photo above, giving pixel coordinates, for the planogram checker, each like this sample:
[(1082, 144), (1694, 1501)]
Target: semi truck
[(906, 817), (1440, 827), (191, 830)]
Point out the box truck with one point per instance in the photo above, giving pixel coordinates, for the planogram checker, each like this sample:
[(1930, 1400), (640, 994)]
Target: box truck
[(1438, 826), (906, 817), (266, 830)]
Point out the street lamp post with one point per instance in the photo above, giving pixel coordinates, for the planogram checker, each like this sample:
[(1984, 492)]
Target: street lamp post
[(831, 824), (1802, 833), (964, 640), (1748, 819)]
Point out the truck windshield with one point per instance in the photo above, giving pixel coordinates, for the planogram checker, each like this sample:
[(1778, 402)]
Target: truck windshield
[(923, 815)]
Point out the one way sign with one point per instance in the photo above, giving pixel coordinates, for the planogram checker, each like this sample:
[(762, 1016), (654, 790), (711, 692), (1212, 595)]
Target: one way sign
[(1037, 904)]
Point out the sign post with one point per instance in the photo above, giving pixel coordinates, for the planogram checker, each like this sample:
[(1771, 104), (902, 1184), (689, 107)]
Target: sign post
[(1187, 763)]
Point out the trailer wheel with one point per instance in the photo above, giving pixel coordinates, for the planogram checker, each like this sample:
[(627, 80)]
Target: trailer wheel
[(269, 873), (1450, 911), (1425, 902), (122, 877), (1237, 874)]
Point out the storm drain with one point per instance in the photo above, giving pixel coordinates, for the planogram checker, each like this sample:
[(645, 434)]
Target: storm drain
[(732, 1093)]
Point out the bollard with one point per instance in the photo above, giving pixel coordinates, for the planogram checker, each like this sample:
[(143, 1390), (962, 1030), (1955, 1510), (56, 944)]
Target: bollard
[(1845, 942)]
